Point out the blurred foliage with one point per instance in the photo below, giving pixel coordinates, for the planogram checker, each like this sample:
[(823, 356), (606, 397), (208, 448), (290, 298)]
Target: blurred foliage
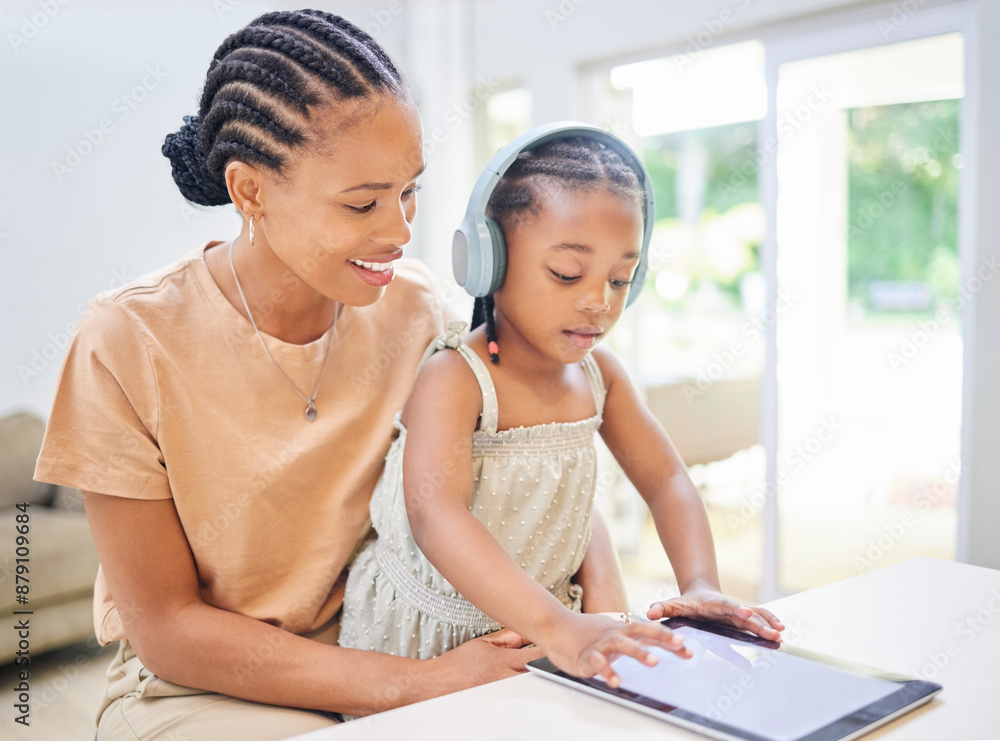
[(903, 175), (661, 163), (732, 167), (710, 256)]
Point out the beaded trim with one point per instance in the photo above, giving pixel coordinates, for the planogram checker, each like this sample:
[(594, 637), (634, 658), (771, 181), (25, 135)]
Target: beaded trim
[(456, 611)]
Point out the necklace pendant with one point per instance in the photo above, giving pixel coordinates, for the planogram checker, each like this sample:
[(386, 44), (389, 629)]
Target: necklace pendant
[(310, 410)]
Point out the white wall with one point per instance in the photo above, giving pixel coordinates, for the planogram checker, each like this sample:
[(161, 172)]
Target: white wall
[(115, 214)]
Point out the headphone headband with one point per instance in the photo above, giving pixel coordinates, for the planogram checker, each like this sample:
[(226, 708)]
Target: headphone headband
[(479, 253)]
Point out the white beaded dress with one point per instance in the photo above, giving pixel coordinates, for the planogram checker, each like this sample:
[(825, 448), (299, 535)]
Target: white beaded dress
[(533, 489)]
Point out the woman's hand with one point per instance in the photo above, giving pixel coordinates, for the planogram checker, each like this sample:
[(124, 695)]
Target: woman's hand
[(710, 604), (487, 659), (479, 661), (586, 645)]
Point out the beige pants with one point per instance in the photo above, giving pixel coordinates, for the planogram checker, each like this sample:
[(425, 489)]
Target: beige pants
[(139, 706)]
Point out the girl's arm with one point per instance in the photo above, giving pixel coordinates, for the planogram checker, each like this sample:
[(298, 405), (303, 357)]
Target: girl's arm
[(440, 417), (151, 573), (600, 574), (642, 448)]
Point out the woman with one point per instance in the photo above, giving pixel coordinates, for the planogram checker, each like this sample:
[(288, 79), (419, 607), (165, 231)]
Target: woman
[(228, 415)]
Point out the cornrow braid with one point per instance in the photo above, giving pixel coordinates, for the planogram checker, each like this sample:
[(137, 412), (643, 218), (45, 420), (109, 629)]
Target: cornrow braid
[(367, 40), (574, 163), (482, 312), (262, 84), (319, 27), (294, 46), (249, 65)]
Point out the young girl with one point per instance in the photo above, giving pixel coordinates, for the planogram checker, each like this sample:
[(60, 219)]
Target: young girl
[(498, 459)]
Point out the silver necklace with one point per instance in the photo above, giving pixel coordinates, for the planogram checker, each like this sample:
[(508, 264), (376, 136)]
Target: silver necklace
[(310, 401)]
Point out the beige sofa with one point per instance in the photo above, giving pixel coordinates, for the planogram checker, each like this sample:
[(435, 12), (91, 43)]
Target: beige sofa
[(61, 563)]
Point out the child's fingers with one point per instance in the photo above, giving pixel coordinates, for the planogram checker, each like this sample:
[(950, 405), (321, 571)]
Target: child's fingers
[(771, 618), (755, 619), (611, 677), (654, 634), (596, 663), (635, 640)]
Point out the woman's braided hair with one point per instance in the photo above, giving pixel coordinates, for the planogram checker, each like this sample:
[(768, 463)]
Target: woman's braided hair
[(570, 163), (260, 86)]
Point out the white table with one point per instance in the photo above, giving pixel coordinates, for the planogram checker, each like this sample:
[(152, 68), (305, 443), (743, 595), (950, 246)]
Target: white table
[(932, 619)]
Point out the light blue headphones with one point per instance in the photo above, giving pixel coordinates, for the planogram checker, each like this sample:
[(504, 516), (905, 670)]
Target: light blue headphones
[(478, 250)]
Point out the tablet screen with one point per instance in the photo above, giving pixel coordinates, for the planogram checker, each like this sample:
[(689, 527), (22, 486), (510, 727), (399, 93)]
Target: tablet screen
[(765, 692), (740, 686)]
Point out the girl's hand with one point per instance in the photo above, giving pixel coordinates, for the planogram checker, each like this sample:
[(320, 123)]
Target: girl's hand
[(585, 645), (710, 604)]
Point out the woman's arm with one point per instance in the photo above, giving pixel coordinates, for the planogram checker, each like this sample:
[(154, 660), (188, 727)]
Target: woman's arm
[(642, 448), (151, 574), (441, 417)]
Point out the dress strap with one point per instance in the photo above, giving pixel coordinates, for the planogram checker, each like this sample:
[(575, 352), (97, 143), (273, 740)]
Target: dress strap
[(594, 375), (452, 340)]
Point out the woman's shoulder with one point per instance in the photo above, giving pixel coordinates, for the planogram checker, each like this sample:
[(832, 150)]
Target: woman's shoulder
[(415, 287), (413, 279), (142, 301)]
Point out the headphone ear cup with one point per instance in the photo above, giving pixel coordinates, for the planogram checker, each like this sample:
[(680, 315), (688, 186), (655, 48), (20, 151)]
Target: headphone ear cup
[(640, 275), (499, 255)]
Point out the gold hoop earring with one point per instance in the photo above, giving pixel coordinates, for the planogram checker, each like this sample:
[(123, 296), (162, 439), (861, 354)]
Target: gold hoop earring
[(251, 231)]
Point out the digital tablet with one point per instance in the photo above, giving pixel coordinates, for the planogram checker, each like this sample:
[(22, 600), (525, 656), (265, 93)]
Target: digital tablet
[(740, 686)]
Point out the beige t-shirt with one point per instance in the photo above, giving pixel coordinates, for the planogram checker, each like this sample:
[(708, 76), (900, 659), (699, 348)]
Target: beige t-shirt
[(166, 393)]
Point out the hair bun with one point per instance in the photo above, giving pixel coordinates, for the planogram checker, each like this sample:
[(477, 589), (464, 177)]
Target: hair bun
[(189, 169)]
